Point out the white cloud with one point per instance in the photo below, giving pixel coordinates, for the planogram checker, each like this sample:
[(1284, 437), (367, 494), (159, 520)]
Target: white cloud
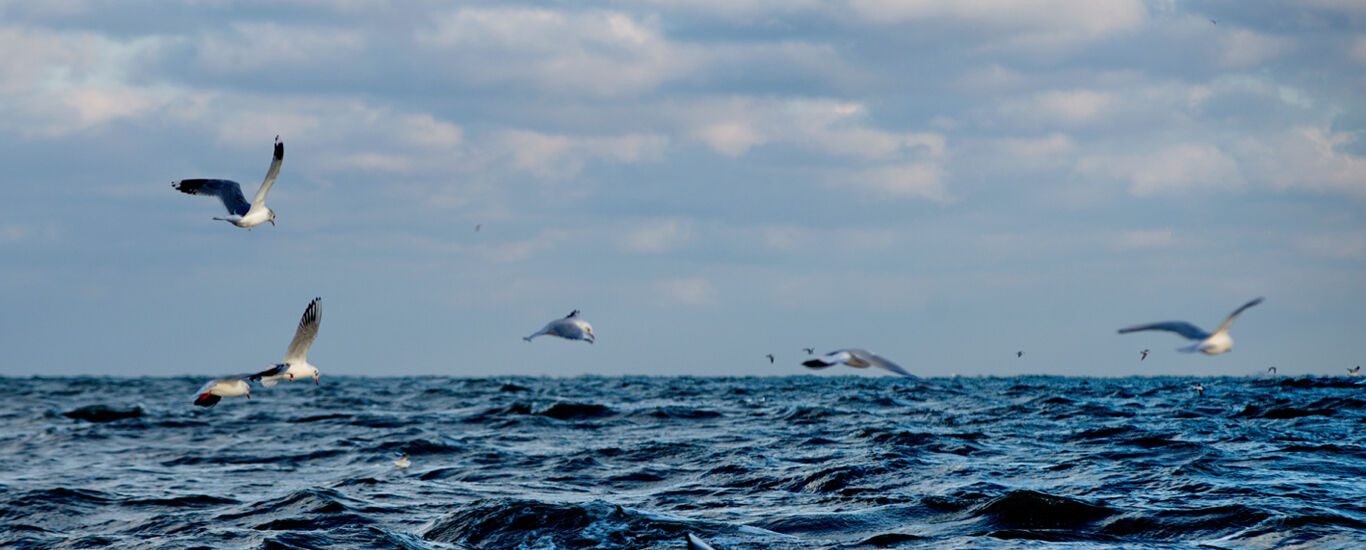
[(730, 138), (909, 180), (252, 47), (691, 291), (656, 236), (1033, 148), (1245, 48), (1358, 50), (1016, 24), (1174, 169), (1307, 157), (556, 157)]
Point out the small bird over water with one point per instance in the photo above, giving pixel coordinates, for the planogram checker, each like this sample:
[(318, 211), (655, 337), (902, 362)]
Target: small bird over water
[(809, 351), (216, 390), (296, 364), (1143, 355), (1209, 344), (403, 461), (857, 358), (240, 212), (1198, 388), (770, 357), (1019, 354), (1271, 370), (571, 327), (1354, 371)]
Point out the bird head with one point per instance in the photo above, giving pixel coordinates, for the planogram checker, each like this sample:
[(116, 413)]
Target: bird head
[(271, 219), (589, 331), (315, 377)]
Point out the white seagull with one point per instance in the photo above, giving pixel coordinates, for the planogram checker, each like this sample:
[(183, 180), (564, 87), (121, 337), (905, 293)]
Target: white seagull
[(216, 390), (857, 358), (240, 212), (296, 364), (1209, 344), (403, 462), (1354, 371), (571, 327)]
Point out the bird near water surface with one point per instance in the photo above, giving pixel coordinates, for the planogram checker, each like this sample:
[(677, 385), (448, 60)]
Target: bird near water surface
[(1207, 343), (571, 327)]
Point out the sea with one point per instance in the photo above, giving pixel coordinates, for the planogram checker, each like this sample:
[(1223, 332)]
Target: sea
[(639, 462)]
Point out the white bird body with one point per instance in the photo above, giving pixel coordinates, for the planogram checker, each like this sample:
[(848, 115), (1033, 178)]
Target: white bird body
[(857, 358), (215, 390), (571, 327), (295, 365), (1207, 343), (403, 462), (240, 212)]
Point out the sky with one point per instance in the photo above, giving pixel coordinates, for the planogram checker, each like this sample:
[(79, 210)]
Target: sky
[(708, 181)]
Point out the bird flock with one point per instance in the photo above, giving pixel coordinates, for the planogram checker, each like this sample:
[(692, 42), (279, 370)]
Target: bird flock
[(295, 365)]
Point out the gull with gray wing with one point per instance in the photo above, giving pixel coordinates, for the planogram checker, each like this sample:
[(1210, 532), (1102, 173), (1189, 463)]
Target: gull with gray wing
[(1207, 343), (240, 212)]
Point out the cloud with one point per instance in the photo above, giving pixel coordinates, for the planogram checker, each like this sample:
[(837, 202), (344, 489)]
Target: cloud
[(909, 180), (1245, 48), (1358, 50), (1015, 24), (1033, 148), (1307, 157), (558, 156), (1171, 170), (656, 236), (690, 291)]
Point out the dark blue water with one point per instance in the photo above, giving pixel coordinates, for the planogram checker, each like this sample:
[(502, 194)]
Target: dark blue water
[(746, 463)]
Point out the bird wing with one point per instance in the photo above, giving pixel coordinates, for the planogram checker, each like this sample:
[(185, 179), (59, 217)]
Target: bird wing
[(695, 543), (226, 190), (307, 331), (207, 399), (1229, 322), (830, 359), (275, 370), (260, 199), (572, 314), (1180, 327), (879, 361)]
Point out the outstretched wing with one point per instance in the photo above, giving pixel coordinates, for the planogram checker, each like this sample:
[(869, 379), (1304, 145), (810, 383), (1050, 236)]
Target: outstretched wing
[(1229, 322), (279, 158), (882, 362), (207, 400), (307, 331), (828, 360), (695, 543), (572, 314), (1180, 327), (226, 190), (275, 370)]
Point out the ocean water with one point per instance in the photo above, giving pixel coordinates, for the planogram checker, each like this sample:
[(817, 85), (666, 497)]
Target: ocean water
[(745, 463)]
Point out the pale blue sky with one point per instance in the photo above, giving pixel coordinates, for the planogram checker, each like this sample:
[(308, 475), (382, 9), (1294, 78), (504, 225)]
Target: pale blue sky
[(708, 181)]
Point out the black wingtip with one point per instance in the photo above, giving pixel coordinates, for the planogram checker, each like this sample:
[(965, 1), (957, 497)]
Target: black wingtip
[(279, 148), (815, 364)]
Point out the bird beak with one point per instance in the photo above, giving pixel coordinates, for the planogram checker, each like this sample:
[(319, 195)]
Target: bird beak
[(248, 396), (316, 382), (272, 223)]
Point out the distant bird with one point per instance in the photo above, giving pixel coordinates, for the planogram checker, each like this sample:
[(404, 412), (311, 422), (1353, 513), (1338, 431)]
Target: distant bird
[(217, 389), (1209, 344), (241, 213), (296, 364), (1143, 355), (476, 227), (770, 357), (1354, 371), (1199, 389), (809, 351), (695, 543), (403, 462), (1019, 354), (571, 327), (1271, 370), (857, 358), (1212, 21)]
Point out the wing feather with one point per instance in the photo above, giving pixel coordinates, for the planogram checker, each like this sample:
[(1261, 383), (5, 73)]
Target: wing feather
[(1229, 322), (279, 157), (1180, 327), (227, 191), (307, 331)]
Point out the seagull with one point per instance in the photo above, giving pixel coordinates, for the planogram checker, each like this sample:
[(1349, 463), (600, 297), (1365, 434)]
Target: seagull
[(1209, 344), (1199, 389), (241, 213), (770, 357), (695, 543), (477, 226), (403, 462), (1354, 371), (1019, 354), (217, 389), (571, 327), (809, 351), (296, 364), (857, 358), (1271, 370), (1143, 354)]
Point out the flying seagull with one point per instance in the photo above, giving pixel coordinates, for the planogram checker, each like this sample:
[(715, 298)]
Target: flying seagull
[(809, 351), (1198, 388), (1143, 354), (695, 543), (1271, 370), (1354, 371), (217, 389), (857, 358), (1019, 354), (240, 212), (770, 357), (1207, 343), (296, 364), (571, 327)]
